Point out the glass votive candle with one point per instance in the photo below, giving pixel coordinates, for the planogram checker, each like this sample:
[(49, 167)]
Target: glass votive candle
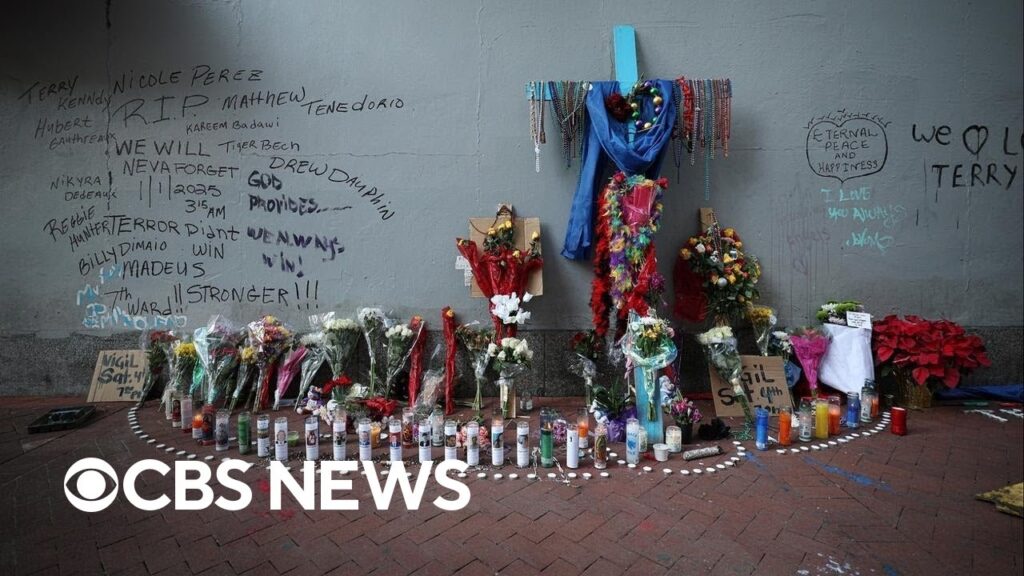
[(821, 419), (785, 425), (674, 439), (899, 421), (221, 434), (835, 414), (583, 426)]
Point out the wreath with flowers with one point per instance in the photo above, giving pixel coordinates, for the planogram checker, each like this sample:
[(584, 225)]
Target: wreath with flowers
[(727, 276), (625, 266)]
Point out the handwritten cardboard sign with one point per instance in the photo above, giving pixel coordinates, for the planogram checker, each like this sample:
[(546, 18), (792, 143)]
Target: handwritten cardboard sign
[(119, 376), (522, 231), (764, 380)]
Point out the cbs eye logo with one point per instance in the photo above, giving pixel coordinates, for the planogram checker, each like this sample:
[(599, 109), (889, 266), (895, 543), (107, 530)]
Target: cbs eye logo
[(90, 485)]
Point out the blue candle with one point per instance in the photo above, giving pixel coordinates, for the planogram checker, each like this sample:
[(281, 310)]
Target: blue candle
[(852, 409), (762, 429)]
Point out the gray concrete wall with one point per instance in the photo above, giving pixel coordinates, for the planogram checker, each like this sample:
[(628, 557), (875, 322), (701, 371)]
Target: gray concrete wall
[(105, 106)]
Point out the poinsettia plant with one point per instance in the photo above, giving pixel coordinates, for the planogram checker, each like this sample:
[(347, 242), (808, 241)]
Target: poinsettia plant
[(929, 350)]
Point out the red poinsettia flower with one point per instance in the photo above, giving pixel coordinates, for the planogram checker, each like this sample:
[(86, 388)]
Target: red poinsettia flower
[(928, 350)]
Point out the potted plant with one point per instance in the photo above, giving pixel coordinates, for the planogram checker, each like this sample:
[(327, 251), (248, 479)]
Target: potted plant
[(921, 353)]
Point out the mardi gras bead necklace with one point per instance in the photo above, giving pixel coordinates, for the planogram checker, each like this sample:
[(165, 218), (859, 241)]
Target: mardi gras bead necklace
[(537, 118), (568, 104)]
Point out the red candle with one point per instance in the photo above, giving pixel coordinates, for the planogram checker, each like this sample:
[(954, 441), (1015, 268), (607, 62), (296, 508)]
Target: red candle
[(899, 421)]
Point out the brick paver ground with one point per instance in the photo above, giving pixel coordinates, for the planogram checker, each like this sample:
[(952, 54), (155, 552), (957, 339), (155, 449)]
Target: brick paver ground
[(880, 504)]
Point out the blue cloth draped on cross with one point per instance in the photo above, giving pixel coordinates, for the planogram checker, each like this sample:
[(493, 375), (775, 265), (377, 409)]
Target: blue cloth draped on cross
[(605, 139)]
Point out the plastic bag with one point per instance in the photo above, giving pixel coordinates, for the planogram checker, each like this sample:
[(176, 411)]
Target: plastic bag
[(848, 361)]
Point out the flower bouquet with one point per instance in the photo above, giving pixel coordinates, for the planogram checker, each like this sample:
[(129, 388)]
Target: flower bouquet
[(501, 268), (685, 414), (648, 345), (157, 344), (246, 370), (834, 311), (322, 402), (269, 338), (374, 323), (400, 339), (217, 346), (477, 341), (779, 344), (810, 346), (316, 355), (611, 408), (511, 357), (762, 320), (625, 266), (587, 346), (181, 362), (727, 276), (340, 339), (720, 349), (287, 371), (920, 352)]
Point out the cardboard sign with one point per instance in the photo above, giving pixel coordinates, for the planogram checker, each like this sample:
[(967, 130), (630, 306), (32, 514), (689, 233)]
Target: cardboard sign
[(764, 380), (522, 229), (119, 376)]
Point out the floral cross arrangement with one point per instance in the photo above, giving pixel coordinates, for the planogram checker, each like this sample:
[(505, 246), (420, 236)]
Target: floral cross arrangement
[(728, 277), (501, 270), (929, 350)]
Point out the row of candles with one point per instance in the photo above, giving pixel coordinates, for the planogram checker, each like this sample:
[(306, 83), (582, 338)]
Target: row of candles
[(210, 426), (821, 417)]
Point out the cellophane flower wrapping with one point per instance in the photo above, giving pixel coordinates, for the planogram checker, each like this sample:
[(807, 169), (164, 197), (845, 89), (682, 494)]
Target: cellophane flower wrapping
[(340, 340), (286, 372), (181, 363), (477, 341), (511, 357), (218, 346), (157, 345), (374, 323), (587, 345), (648, 345), (316, 355), (762, 320), (400, 339), (810, 346), (722, 354), (269, 337), (246, 369), (433, 384)]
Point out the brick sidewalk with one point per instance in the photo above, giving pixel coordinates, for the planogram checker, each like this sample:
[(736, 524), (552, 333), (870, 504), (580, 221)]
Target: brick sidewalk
[(876, 505)]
